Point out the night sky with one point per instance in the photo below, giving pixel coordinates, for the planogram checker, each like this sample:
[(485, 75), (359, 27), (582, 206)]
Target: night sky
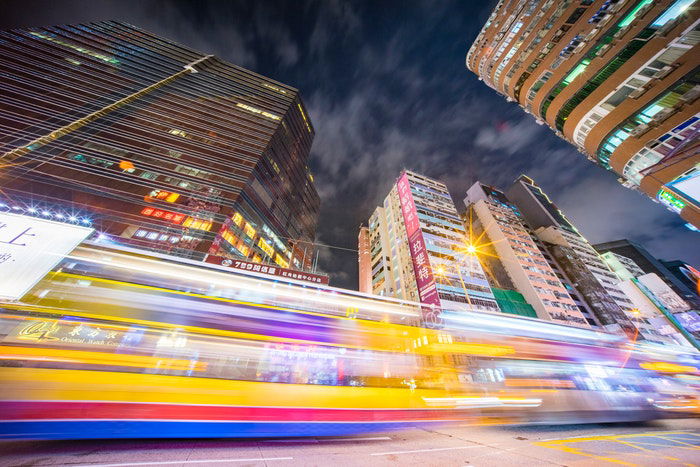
[(386, 88)]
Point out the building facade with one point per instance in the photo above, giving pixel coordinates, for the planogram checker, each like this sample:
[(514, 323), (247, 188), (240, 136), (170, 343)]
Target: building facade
[(419, 249), (364, 260), (572, 253), (499, 224), (158, 146), (618, 79), (645, 261)]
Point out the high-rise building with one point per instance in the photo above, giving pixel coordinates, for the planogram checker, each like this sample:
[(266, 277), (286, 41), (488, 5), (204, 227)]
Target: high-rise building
[(623, 267), (618, 79), (498, 224), (364, 260), (420, 250), (157, 145), (643, 290), (649, 264), (572, 253)]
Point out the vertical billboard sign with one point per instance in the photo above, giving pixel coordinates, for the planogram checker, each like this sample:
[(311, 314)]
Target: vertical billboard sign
[(425, 281), (30, 248)]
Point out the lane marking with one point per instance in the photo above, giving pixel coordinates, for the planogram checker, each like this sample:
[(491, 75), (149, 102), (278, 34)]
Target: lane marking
[(203, 461), (425, 450), (646, 433), (628, 439)]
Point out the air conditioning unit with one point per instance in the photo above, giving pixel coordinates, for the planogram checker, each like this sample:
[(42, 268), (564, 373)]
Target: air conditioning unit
[(692, 95), (640, 130), (637, 92), (603, 50), (661, 116), (669, 26), (663, 72), (621, 32), (578, 48), (604, 21), (591, 35), (616, 7)]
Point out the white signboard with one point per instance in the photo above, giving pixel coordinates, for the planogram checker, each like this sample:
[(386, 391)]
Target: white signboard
[(30, 248)]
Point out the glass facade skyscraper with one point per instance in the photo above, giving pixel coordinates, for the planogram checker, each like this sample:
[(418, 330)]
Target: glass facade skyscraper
[(159, 146)]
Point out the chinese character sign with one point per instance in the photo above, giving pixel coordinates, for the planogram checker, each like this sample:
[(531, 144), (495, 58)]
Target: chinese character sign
[(267, 269), (30, 248), (421, 266)]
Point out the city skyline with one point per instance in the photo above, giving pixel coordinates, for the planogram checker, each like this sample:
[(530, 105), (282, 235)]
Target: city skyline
[(383, 98)]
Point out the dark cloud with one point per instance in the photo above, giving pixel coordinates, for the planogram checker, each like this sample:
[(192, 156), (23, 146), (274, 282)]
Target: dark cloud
[(387, 89)]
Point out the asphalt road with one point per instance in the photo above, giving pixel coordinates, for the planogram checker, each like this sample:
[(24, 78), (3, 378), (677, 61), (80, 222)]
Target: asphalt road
[(662, 443)]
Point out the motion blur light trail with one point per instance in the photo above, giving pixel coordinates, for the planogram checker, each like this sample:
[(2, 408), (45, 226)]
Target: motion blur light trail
[(115, 344)]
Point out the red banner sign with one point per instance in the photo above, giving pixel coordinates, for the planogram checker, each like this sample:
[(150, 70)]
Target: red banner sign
[(272, 270), (425, 281)]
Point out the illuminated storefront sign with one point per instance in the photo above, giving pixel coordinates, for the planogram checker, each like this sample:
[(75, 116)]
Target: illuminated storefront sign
[(174, 217), (237, 219), (249, 230), (281, 261), (689, 320), (266, 248), (267, 269), (425, 281), (163, 195), (30, 248), (197, 224)]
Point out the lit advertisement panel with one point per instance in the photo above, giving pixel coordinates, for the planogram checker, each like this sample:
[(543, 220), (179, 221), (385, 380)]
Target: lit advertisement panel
[(30, 248), (425, 281), (688, 187), (689, 320)]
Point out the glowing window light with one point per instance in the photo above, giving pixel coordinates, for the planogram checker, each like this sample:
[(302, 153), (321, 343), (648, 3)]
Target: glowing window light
[(258, 111), (77, 48), (632, 14), (673, 12), (303, 115)]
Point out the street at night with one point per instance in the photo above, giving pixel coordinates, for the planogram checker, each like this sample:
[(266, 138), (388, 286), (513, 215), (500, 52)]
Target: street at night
[(667, 443), (349, 232)]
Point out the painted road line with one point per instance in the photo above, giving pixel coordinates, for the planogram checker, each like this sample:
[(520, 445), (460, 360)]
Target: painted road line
[(202, 461), (425, 450), (633, 440), (603, 435)]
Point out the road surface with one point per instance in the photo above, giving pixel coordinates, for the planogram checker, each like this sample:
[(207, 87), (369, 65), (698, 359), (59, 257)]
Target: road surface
[(657, 444)]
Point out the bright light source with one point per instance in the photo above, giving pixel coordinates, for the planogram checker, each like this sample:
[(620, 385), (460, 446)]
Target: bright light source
[(45, 213), (32, 210), (471, 249), (85, 221), (60, 216), (16, 208), (73, 219)]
